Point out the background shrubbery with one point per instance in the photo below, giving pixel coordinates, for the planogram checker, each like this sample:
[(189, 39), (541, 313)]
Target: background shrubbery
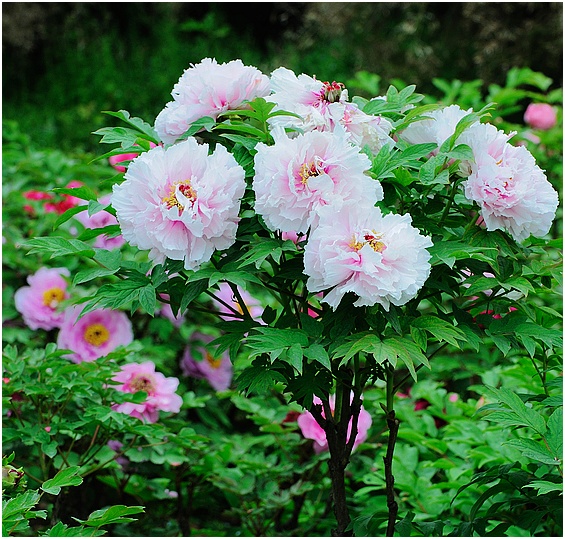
[(236, 465)]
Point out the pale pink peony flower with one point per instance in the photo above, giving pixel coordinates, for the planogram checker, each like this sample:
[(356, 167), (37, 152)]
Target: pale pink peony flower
[(208, 89), (296, 177), (311, 429), (225, 293), (38, 303), (95, 335), (199, 363), (380, 259), (540, 116), (180, 202), (511, 190), (438, 126), (101, 219), (321, 106), (160, 390)]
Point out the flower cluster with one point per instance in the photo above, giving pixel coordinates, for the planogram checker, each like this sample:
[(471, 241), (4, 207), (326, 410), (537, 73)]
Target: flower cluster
[(182, 201)]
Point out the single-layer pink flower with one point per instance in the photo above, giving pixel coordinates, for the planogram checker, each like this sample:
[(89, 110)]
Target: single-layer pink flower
[(540, 116), (95, 335), (160, 390), (380, 259), (312, 430), (199, 363), (39, 302), (208, 89), (102, 219), (225, 294), (321, 106), (511, 190), (296, 177), (180, 202)]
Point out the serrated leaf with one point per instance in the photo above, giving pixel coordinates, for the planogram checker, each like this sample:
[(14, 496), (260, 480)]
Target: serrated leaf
[(59, 247), (64, 478), (533, 450), (294, 357), (544, 487), (112, 515), (147, 299)]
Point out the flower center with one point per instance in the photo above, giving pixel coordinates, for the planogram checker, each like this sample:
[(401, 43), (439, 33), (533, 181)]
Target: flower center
[(96, 334), (53, 296), (331, 92), (181, 194), (214, 363), (372, 238), (308, 170), (142, 383)]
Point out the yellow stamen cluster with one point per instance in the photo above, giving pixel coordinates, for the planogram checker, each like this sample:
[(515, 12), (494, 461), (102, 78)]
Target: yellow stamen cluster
[(53, 296), (214, 363), (372, 239), (185, 188), (96, 334), (142, 383), (308, 170)]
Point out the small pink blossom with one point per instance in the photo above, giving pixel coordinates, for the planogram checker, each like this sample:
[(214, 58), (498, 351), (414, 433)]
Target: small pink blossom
[(199, 363), (160, 390), (47, 429), (381, 259), (101, 219), (68, 201), (95, 335), (540, 116), (312, 430), (296, 177), (115, 160), (208, 89), (39, 302), (225, 293), (180, 202)]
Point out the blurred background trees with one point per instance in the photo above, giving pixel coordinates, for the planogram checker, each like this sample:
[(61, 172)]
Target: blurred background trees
[(65, 62)]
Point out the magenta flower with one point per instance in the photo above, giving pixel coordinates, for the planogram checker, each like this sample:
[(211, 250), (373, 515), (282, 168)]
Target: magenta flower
[(225, 293), (540, 116), (311, 429), (199, 363), (512, 192), (208, 89), (101, 219), (382, 259), (38, 303), (180, 202), (95, 335), (296, 177), (160, 390)]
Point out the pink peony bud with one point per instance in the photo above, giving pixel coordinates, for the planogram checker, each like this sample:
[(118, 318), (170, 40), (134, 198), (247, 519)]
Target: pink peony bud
[(540, 116)]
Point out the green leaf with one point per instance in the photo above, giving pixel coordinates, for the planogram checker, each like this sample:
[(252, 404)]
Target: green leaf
[(554, 437), (259, 378), (64, 217), (526, 416), (191, 292), (147, 299), (83, 192), (544, 487), (440, 329), (534, 450), (461, 152), (62, 530), (18, 506), (112, 515), (64, 478), (59, 247), (294, 357), (206, 123), (318, 353), (110, 231), (137, 123), (447, 252)]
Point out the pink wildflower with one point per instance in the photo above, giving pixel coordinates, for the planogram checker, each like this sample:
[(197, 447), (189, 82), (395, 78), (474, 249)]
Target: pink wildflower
[(199, 363), (180, 202), (225, 293), (511, 190), (294, 178), (208, 89), (95, 335), (381, 259), (160, 391), (38, 303), (312, 430), (101, 219), (540, 116)]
